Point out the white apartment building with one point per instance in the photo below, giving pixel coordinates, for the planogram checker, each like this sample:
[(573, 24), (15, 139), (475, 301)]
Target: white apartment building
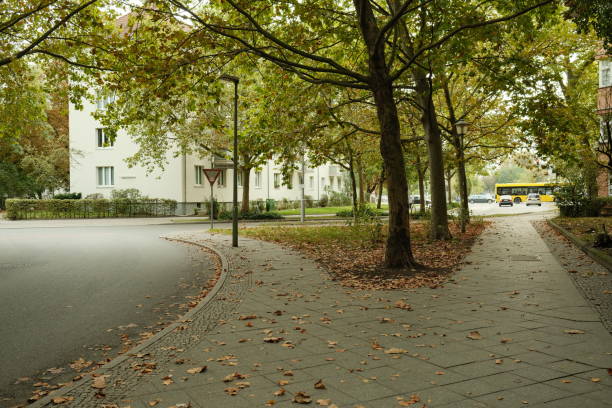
[(96, 166)]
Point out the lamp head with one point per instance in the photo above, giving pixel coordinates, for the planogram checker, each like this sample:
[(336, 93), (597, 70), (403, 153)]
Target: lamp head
[(462, 127)]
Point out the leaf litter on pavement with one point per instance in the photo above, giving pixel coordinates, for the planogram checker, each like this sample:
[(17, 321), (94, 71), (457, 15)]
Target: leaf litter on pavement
[(357, 262)]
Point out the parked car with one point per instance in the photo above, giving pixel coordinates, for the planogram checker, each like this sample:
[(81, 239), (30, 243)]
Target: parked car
[(533, 199), (505, 200), (416, 199), (480, 198)]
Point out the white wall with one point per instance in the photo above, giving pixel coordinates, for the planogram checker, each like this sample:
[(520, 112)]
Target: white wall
[(85, 156), (177, 181)]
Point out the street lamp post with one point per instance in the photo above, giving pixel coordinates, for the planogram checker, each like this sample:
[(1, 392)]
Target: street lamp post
[(302, 196), (235, 80), (462, 128)]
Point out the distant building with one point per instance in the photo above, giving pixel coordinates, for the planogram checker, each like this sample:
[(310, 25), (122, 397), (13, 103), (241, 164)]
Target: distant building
[(98, 166)]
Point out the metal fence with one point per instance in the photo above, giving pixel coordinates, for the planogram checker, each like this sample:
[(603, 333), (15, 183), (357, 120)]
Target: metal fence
[(18, 209)]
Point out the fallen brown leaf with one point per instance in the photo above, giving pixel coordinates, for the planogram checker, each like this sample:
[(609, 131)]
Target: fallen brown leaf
[(99, 382), (272, 339), (474, 335), (61, 400), (395, 350), (301, 397), (319, 385), (197, 370), (400, 304)]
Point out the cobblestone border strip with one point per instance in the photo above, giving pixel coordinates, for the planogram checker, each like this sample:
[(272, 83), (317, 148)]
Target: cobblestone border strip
[(586, 287), (599, 256), (47, 400)]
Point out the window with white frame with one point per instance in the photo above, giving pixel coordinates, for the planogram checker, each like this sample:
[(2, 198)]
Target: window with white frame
[(339, 183), (106, 176), (198, 175), (258, 179), (239, 178), (277, 180), (290, 181), (311, 182), (103, 139), (605, 73), (323, 182), (331, 182), (104, 99)]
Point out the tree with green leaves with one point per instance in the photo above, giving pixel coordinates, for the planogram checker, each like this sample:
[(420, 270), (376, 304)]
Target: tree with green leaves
[(355, 45), (34, 155), (557, 101)]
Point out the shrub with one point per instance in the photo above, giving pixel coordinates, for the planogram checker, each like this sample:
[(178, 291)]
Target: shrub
[(337, 199), (323, 200), (308, 201), (283, 204), (257, 205), (368, 224), (452, 205), (87, 208), (271, 215), (364, 211), (252, 215), (572, 202), (67, 196), (216, 213), (270, 204), (130, 193), (94, 196)]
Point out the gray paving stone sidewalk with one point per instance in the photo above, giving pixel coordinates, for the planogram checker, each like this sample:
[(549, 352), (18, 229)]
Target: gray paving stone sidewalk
[(511, 330)]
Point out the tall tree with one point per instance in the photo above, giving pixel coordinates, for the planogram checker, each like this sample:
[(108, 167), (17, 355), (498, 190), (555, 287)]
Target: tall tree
[(346, 44)]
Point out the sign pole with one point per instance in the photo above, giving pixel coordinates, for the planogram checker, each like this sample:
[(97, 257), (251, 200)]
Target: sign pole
[(212, 175), (302, 203), (212, 207)]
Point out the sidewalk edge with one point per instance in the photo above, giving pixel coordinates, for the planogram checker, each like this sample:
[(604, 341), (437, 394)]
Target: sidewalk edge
[(598, 256), (47, 400)]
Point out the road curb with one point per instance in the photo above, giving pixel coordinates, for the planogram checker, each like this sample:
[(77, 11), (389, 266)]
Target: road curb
[(599, 256), (47, 400)]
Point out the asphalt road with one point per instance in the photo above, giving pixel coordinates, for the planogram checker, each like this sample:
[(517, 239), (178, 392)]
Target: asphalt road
[(65, 292), (484, 209)]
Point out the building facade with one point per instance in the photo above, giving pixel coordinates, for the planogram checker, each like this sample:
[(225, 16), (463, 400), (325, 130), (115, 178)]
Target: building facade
[(98, 166)]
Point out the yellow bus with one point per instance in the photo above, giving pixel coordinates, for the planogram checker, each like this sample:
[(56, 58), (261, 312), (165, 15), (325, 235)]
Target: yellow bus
[(519, 191)]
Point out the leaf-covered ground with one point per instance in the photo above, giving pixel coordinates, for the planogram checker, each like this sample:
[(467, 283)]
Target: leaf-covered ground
[(353, 255), (587, 228)]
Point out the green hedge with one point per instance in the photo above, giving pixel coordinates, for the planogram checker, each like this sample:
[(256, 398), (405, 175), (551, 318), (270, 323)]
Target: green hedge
[(363, 212), (252, 215), (583, 207), (26, 209)]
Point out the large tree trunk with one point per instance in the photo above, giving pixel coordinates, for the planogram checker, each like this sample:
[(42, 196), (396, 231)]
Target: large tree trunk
[(449, 190), (246, 175), (457, 142), (351, 169), (398, 253), (439, 216), (380, 188), (361, 182)]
